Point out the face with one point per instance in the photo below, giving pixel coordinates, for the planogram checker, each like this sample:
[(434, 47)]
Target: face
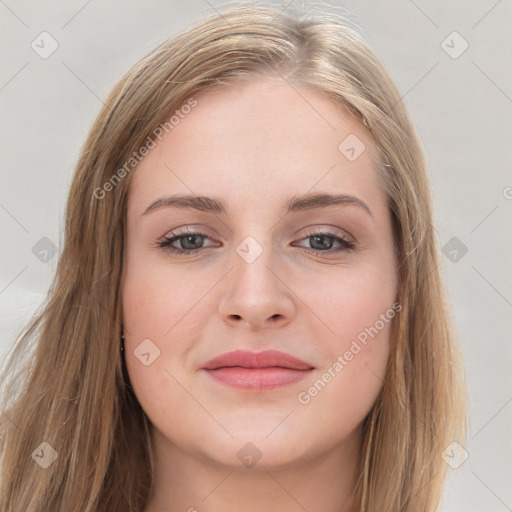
[(317, 282)]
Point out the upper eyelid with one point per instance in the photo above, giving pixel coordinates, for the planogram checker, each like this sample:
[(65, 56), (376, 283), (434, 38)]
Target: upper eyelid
[(335, 233)]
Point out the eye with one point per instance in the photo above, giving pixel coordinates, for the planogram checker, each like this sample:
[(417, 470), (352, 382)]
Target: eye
[(191, 242), (321, 242)]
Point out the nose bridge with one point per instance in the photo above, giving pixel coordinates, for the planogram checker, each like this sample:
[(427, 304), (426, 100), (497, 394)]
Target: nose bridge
[(255, 249), (253, 260)]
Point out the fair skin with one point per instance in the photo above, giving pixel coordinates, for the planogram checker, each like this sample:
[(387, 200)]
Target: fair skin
[(253, 147)]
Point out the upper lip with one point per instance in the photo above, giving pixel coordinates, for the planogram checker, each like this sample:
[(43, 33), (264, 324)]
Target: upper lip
[(265, 359)]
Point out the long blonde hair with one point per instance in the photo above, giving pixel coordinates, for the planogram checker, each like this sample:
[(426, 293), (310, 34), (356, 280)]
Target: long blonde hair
[(71, 390)]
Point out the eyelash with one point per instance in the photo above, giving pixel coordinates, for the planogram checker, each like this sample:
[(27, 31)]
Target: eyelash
[(165, 244)]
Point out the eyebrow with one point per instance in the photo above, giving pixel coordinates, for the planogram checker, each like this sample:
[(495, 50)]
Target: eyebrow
[(294, 204)]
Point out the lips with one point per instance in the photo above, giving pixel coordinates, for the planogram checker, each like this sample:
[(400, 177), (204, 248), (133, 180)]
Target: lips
[(257, 371), (255, 360)]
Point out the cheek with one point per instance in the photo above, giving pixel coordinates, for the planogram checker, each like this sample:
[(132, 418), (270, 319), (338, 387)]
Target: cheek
[(347, 300), (162, 309), (156, 297), (157, 330), (354, 316)]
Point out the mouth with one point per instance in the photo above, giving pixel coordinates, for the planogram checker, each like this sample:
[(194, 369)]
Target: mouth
[(257, 371)]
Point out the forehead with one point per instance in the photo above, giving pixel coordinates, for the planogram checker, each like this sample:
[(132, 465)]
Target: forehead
[(248, 143)]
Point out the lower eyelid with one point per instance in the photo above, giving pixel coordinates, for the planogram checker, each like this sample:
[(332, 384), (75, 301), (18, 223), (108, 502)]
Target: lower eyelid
[(345, 243)]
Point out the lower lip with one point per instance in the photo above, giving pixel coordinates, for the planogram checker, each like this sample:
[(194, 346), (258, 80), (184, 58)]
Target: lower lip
[(257, 378)]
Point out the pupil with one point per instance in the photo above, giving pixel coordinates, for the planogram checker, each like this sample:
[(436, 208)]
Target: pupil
[(187, 240)]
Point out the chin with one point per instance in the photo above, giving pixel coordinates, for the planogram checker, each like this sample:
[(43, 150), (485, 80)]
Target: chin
[(253, 450)]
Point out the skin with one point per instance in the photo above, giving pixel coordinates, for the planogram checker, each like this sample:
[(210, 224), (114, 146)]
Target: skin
[(255, 146)]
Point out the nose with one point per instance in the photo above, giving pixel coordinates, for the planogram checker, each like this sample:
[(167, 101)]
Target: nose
[(257, 293)]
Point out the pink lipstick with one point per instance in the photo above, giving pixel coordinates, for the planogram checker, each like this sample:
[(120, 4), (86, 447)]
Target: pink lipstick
[(257, 371)]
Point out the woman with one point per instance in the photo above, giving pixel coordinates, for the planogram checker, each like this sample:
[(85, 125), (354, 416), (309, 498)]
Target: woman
[(248, 310)]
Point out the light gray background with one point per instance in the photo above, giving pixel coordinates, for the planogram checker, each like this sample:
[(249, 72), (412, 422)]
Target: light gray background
[(461, 106)]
